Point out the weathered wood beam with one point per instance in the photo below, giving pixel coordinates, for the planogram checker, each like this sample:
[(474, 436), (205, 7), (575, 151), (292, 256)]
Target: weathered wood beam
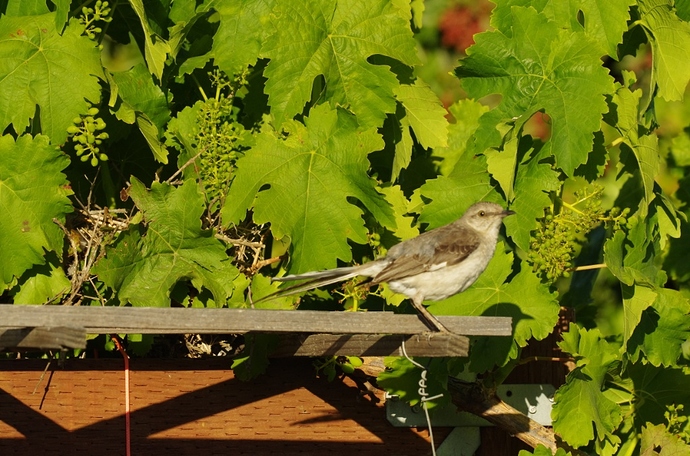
[(150, 320), (370, 345), (42, 338)]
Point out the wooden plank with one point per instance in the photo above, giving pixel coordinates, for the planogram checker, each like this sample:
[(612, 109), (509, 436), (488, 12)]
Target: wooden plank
[(151, 320), (435, 345), (42, 338)]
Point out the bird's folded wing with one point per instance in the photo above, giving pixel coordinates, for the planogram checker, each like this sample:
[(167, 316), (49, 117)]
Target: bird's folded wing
[(444, 247)]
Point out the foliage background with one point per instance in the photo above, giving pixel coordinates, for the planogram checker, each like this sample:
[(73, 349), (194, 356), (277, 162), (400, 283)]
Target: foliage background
[(182, 152)]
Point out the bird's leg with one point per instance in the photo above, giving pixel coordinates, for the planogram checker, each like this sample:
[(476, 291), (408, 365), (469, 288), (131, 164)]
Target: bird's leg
[(431, 321)]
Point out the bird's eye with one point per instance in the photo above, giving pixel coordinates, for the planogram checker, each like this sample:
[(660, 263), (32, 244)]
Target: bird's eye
[(482, 213)]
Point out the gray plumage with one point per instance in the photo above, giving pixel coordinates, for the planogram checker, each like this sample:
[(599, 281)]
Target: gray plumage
[(432, 266)]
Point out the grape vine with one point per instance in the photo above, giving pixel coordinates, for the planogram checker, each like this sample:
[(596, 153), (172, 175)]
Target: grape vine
[(206, 147)]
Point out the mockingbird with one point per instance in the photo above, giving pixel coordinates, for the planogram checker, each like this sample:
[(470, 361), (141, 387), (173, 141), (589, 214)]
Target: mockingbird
[(434, 265)]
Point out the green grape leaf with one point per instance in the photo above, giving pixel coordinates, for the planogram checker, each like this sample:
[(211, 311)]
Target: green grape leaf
[(316, 38), (145, 264), (396, 130), (668, 218), (580, 403), (41, 68), (604, 20), (532, 306), (45, 283), (261, 286), (244, 27), (404, 228), (533, 183), (658, 441), (670, 40), (466, 113), (156, 49), (627, 255), (676, 262), (657, 388), (636, 299), (629, 259), (539, 66), (541, 450), (181, 133), (644, 148), (450, 196), (144, 102), (253, 361), (33, 192), (311, 174), (139, 94), (663, 328), (401, 378), (501, 164), (424, 114), (25, 8)]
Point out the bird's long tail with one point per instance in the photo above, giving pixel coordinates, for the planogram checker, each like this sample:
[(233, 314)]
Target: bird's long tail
[(316, 279)]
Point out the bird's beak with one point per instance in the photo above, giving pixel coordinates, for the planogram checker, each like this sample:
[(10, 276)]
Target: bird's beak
[(507, 212)]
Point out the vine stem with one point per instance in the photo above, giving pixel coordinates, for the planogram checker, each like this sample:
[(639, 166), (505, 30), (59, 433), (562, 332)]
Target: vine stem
[(571, 207), (616, 142), (588, 267), (198, 85)]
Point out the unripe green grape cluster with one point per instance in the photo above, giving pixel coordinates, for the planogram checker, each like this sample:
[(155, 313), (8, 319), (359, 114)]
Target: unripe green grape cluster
[(559, 238), (219, 137), (99, 12), (88, 135)]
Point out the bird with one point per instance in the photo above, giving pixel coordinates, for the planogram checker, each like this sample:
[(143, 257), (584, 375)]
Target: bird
[(433, 266)]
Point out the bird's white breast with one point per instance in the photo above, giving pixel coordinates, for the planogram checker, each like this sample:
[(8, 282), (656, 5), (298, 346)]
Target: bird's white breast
[(441, 283)]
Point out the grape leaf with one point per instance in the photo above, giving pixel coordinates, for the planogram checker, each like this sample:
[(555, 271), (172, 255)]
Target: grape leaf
[(670, 40), (628, 255), (644, 148), (25, 8), (401, 378), (42, 284), (533, 183), (40, 67), (532, 306), (539, 66), (466, 113), (156, 49), (397, 131), (604, 20), (404, 228), (142, 102), (424, 114), (656, 388), (636, 299), (244, 27), (33, 192), (253, 360), (334, 39), (452, 195), (664, 327), (628, 258), (541, 450), (580, 403), (311, 174), (145, 264), (658, 441)]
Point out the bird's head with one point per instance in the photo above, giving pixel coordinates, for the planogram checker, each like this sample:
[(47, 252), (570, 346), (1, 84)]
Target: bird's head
[(485, 217)]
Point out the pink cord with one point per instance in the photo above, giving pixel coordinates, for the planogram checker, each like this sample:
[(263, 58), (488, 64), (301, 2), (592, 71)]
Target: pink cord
[(128, 434)]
